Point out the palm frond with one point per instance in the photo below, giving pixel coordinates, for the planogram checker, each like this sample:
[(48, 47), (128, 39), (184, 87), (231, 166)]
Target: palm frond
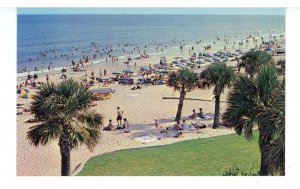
[(43, 133), (183, 79), (219, 75)]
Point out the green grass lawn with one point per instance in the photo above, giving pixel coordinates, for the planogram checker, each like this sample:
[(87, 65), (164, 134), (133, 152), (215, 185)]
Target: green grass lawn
[(207, 156)]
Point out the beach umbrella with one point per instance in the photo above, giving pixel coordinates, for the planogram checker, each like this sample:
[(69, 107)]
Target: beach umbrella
[(26, 95), (200, 62), (22, 91), (129, 70), (183, 60), (181, 66), (162, 71), (116, 73), (145, 68), (209, 59), (216, 59), (175, 62)]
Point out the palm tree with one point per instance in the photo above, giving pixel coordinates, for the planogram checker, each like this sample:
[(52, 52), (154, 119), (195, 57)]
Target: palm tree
[(253, 60), (183, 81), (274, 153), (219, 76), (63, 113), (254, 102)]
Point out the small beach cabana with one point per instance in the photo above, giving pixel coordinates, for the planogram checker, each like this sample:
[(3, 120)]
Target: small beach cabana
[(101, 93)]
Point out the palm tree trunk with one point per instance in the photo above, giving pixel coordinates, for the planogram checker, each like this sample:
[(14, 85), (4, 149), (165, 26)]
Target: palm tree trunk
[(65, 152), (180, 105), (217, 112), (264, 167)]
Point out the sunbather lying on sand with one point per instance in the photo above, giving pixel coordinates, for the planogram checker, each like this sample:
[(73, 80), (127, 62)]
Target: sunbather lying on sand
[(198, 126), (177, 126)]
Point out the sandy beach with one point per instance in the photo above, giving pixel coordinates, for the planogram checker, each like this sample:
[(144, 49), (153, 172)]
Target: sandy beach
[(141, 108)]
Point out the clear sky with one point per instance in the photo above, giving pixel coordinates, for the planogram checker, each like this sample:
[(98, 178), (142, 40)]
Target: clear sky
[(209, 11)]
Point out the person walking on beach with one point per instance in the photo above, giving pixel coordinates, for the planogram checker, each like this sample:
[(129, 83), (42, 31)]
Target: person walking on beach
[(100, 73), (119, 116), (156, 124), (92, 74), (47, 78), (104, 72)]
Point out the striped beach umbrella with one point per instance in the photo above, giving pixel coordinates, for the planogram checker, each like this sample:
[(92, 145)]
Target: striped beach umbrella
[(22, 91), (27, 95)]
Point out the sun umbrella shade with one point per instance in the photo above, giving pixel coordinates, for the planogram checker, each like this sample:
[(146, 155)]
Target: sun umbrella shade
[(162, 71), (22, 91), (116, 73), (129, 70), (200, 62), (26, 95), (101, 90), (146, 68)]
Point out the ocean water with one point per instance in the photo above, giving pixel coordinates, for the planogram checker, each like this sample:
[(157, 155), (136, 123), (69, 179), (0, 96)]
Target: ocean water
[(58, 39)]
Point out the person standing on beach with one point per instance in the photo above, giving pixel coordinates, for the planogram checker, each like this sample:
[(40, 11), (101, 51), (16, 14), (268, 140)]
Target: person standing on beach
[(126, 126), (104, 72), (53, 70), (100, 72), (92, 74), (119, 116), (47, 78)]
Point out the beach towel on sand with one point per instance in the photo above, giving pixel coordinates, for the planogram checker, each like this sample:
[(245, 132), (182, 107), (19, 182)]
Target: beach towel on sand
[(146, 139)]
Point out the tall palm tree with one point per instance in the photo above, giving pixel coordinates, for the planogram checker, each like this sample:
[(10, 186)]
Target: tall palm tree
[(183, 81), (253, 60), (252, 102), (63, 113), (220, 76), (274, 153)]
